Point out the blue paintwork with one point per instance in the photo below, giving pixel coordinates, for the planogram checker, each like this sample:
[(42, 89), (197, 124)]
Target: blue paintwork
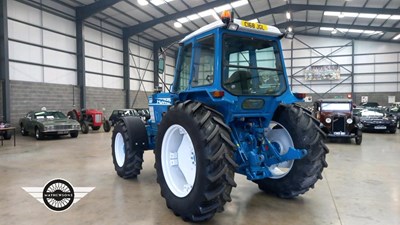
[(247, 125)]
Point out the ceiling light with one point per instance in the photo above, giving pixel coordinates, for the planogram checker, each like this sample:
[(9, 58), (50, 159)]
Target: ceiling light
[(341, 15), (347, 14), (222, 8), (334, 31), (397, 37), (288, 16), (143, 2), (193, 17), (369, 32), (239, 3), (367, 15), (290, 29), (326, 28), (383, 16), (177, 25), (183, 20), (395, 17), (329, 13), (157, 2), (343, 30), (355, 31)]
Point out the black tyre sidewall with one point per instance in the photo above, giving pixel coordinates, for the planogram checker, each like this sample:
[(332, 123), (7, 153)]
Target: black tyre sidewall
[(85, 127), (74, 134), (106, 126), (133, 158)]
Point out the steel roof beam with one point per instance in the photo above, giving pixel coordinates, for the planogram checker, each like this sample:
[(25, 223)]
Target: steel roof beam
[(343, 26), (87, 11), (133, 30)]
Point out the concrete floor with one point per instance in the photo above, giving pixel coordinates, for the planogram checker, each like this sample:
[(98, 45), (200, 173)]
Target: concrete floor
[(360, 186)]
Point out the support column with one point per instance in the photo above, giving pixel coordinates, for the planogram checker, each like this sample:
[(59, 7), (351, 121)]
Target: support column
[(4, 64), (125, 44), (80, 62), (291, 64), (155, 65), (352, 72)]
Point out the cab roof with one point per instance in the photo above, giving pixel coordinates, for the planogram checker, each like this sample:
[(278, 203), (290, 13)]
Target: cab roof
[(270, 30)]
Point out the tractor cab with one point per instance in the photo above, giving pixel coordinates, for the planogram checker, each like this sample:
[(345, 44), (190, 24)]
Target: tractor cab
[(233, 66)]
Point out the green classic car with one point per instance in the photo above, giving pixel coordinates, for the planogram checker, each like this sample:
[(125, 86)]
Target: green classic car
[(48, 123)]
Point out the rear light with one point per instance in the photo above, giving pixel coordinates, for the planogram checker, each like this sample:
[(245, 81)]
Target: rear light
[(300, 95), (218, 94)]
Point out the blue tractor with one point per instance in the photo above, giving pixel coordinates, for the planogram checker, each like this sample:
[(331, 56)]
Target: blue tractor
[(230, 109)]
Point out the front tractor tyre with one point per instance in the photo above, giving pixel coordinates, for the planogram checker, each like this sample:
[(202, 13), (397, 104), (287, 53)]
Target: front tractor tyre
[(292, 178), (194, 164), (128, 147), (85, 127)]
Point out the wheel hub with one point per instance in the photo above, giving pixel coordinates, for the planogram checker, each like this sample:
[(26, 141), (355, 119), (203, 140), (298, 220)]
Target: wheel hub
[(119, 149), (178, 159), (281, 139)]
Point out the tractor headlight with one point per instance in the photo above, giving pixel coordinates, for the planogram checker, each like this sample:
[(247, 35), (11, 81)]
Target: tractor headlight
[(349, 120), (328, 120)]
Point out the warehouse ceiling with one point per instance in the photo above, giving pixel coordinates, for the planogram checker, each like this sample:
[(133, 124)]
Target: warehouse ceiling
[(164, 21)]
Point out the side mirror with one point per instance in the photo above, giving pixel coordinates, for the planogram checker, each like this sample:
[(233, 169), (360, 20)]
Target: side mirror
[(161, 65)]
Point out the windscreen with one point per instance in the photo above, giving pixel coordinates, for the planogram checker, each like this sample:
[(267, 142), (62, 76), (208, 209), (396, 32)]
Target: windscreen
[(252, 66), (49, 115), (335, 106)]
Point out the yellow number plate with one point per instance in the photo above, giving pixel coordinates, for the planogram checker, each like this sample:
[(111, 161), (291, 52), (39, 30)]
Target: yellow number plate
[(258, 26)]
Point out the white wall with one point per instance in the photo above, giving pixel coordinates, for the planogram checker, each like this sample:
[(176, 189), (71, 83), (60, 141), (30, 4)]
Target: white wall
[(41, 45), (376, 64), (42, 48)]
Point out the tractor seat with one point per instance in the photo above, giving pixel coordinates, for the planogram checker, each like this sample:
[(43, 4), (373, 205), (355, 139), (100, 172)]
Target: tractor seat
[(239, 82)]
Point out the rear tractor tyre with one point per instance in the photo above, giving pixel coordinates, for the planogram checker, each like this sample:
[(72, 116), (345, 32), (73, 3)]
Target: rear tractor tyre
[(106, 126), (194, 164), (72, 115), (305, 172), (127, 154), (85, 127)]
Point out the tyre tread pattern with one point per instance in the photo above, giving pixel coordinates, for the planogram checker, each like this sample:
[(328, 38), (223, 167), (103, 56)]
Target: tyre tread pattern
[(133, 159), (220, 165)]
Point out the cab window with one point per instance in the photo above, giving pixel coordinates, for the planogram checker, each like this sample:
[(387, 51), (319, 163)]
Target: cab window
[(184, 69), (203, 68)]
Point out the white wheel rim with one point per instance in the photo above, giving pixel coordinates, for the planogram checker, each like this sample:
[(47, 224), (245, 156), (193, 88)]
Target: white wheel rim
[(282, 137), (119, 149), (178, 160)]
